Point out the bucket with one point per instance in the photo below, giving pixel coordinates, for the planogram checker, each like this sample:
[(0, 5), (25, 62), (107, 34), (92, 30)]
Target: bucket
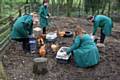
[(51, 36), (33, 45)]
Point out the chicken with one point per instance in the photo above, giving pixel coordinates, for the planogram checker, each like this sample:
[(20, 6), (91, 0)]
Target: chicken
[(42, 51)]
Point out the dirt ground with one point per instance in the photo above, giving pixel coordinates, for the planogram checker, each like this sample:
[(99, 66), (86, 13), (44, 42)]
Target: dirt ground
[(19, 66)]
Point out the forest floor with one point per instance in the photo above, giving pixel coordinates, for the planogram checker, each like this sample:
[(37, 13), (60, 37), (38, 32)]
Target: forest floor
[(19, 66)]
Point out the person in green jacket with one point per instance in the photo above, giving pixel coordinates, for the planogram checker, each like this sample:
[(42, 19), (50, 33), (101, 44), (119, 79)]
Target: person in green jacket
[(103, 22), (21, 30), (43, 13), (84, 50)]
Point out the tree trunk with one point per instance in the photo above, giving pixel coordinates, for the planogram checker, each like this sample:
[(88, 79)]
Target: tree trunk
[(103, 8), (40, 66), (79, 7), (58, 7), (109, 7), (87, 6), (52, 7), (69, 6), (1, 7), (26, 1)]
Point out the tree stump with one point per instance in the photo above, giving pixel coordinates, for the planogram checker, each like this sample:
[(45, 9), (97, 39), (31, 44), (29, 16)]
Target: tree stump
[(40, 66)]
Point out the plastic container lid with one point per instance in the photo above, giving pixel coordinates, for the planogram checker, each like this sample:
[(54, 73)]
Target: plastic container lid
[(40, 59)]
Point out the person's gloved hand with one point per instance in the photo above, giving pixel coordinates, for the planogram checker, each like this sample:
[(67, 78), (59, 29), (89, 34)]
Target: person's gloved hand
[(49, 14), (92, 36), (47, 17)]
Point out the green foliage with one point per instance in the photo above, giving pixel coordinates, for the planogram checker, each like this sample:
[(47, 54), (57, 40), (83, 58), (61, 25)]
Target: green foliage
[(66, 6)]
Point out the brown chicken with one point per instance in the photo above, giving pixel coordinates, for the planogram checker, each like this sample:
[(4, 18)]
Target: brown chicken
[(41, 39), (42, 51), (62, 33), (54, 47)]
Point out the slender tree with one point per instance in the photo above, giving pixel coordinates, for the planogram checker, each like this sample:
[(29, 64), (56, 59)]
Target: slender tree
[(1, 6), (58, 7), (79, 6), (27, 1), (109, 7), (53, 6), (69, 6)]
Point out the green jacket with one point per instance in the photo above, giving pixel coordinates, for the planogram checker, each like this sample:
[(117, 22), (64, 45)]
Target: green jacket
[(22, 27), (103, 22), (43, 12), (85, 52)]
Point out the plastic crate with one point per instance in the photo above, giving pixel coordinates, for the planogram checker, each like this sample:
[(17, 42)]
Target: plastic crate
[(63, 59), (51, 37)]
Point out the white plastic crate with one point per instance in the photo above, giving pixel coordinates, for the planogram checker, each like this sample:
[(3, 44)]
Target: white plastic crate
[(62, 55)]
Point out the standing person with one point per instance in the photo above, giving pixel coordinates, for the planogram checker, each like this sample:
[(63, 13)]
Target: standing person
[(43, 13), (21, 30), (103, 22), (84, 50)]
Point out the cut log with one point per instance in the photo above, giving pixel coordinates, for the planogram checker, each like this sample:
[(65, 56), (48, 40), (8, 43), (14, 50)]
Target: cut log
[(40, 66)]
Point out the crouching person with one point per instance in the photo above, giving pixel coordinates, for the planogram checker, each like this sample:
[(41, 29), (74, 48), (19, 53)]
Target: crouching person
[(21, 30), (84, 50)]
